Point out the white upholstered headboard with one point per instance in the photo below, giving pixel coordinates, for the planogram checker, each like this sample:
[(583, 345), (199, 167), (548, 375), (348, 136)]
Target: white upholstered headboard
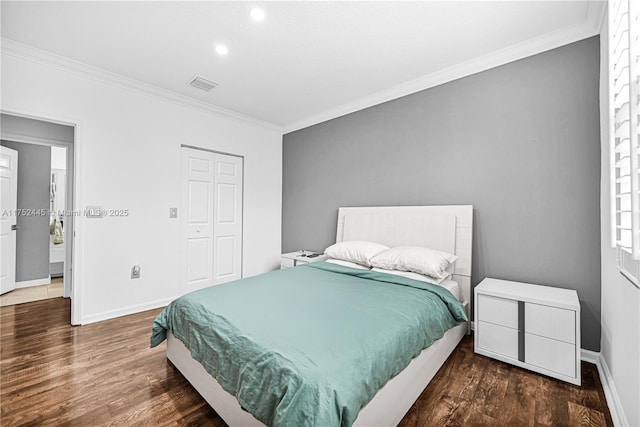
[(444, 228)]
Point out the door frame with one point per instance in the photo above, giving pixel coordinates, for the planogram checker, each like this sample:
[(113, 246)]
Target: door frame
[(73, 234)]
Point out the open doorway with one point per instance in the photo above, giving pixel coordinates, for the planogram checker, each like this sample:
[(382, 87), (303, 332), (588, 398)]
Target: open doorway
[(43, 219), (35, 280)]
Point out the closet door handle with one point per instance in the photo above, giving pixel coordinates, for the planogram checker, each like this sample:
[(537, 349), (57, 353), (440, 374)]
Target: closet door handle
[(15, 227)]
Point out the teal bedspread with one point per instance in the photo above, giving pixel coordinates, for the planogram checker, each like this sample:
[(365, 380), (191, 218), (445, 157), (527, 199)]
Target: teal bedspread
[(310, 345)]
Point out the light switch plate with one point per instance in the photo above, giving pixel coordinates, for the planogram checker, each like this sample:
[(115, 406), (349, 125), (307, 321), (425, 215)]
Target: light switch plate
[(173, 212)]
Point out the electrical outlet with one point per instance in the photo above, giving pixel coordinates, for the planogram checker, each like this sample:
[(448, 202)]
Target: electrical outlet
[(135, 272)]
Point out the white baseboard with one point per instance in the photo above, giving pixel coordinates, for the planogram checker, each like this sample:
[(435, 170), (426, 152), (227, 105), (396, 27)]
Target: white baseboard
[(132, 309), (36, 282), (590, 356), (610, 392)]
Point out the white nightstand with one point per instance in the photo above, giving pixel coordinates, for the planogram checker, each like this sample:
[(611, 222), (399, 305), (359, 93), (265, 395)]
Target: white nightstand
[(531, 326), (292, 259)]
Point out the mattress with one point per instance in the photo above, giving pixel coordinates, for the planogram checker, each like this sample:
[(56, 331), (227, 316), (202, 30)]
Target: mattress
[(453, 287), (352, 331)]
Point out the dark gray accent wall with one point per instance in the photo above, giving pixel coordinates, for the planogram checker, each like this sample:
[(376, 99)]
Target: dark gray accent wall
[(32, 238), (519, 142)]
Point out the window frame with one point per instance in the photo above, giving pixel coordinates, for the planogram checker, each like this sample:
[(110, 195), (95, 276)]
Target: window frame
[(624, 107)]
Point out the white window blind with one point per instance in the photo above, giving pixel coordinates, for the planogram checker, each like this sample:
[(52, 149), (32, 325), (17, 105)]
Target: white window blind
[(624, 69)]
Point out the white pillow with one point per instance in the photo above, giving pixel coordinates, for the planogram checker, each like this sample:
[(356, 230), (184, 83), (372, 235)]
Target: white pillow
[(357, 251), (347, 264), (414, 276), (412, 258)]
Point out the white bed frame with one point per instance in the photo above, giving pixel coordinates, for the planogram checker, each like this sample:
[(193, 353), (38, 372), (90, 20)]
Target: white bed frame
[(445, 228)]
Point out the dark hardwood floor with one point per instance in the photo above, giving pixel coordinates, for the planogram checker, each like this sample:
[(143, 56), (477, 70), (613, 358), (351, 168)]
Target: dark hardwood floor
[(54, 374), (474, 390)]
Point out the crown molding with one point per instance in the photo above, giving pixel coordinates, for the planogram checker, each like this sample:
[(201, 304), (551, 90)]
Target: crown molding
[(590, 27), (42, 57), (597, 13)]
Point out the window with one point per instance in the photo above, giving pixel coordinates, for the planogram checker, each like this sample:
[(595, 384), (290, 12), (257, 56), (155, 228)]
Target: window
[(624, 73)]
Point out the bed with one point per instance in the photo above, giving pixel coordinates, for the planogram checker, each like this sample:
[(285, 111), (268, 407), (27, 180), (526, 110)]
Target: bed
[(383, 401)]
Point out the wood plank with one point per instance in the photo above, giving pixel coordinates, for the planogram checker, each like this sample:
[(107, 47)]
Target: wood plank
[(519, 398), (582, 416)]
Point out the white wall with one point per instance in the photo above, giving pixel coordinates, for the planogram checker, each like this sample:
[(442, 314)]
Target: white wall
[(128, 154), (620, 341)]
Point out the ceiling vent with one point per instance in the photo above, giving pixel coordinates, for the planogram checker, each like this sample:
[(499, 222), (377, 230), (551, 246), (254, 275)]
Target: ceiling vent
[(202, 84)]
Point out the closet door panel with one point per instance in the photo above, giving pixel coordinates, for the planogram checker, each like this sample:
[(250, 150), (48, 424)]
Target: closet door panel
[(197, 208), (227, 216)]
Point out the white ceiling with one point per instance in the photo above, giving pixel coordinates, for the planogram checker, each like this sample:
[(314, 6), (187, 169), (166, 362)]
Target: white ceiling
[(307, 61)]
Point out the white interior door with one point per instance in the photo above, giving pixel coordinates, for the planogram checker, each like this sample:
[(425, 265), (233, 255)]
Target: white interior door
[(212, 218), (227, 218), (8, 218), (197, 192)]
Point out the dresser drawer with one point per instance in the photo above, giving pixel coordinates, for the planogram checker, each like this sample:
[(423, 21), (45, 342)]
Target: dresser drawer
[(498, 339), (499, 311), (550, 322), (550, 354)]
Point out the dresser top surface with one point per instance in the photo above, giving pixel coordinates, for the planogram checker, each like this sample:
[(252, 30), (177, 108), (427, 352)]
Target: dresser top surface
[(527, 292), (303, 256)]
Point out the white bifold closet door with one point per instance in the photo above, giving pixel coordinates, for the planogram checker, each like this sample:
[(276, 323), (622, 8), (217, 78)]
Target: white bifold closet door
[(211, 218)]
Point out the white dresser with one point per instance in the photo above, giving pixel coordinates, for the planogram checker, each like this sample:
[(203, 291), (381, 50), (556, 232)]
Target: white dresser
[(531, 326), (292, 259)]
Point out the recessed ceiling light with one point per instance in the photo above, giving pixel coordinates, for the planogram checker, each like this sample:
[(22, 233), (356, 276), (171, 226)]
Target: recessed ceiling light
[(257, 14), (221, 49)]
